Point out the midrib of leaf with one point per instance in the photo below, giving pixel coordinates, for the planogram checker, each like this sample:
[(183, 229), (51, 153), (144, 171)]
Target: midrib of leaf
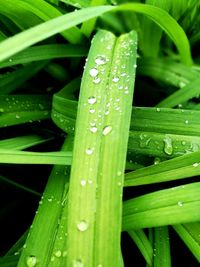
[(95, 194)]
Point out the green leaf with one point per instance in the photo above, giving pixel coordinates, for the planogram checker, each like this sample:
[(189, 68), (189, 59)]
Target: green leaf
[(38, 33), (165, 207), (189, 233), (178, 168)]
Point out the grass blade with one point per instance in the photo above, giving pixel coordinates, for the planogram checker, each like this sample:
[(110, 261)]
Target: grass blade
[(189, 233), (170, 206)]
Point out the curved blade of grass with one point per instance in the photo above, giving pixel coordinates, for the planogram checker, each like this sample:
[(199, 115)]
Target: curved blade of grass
[(182, 95), (142, 242), (32, 15), (12, 80), (26, 157), (22, 142), (24, 188), (162, 255), (178, 168), (43, 233), (190, 234), (44, 52), (170, 206), (9, 261), (167, 70), (18, 109), (38, 33)]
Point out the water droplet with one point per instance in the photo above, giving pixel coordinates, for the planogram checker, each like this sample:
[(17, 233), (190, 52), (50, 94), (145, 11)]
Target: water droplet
[(156, 161), (1, 110), (100, 60), (17, 116), (97, 80), (119, 173), (158, 109), (93, 129), (83, 182), (41, 106), (82, 226), (107, 130), (107, 112), (183, 143), (135, 65), (181, 84), (186, 121), (65, 253), (168, 148), (90, 182), (180, 204), (50, 199), (195, 164), (93, 72), (92, 110), (31, 261), (115, 79), (89, 151), (58, 253), (77, 263), (99, 265), (92, 100)]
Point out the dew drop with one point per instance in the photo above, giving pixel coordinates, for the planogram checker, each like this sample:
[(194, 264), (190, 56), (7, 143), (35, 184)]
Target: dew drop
[(115, 79), (168, 148), (158, 109), (107, 130), (135, 65), (50, 199), (90, 182), (100, 61), (82, 226), (96, 80), (92, 110), (58, 253), (119, 173), (89, 151), (77, 263), (195, 164), (93, 129), (180, 204), (17, 116), (92, 100), (83, 182), (31, 261), (181, 84), (186, 121), (93, 72), (107, 112)]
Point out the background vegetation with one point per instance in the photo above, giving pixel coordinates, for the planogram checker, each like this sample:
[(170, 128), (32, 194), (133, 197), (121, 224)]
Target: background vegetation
[(121, 131)]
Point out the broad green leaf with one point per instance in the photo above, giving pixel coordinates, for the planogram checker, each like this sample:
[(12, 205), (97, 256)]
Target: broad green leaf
[(96, 140)]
